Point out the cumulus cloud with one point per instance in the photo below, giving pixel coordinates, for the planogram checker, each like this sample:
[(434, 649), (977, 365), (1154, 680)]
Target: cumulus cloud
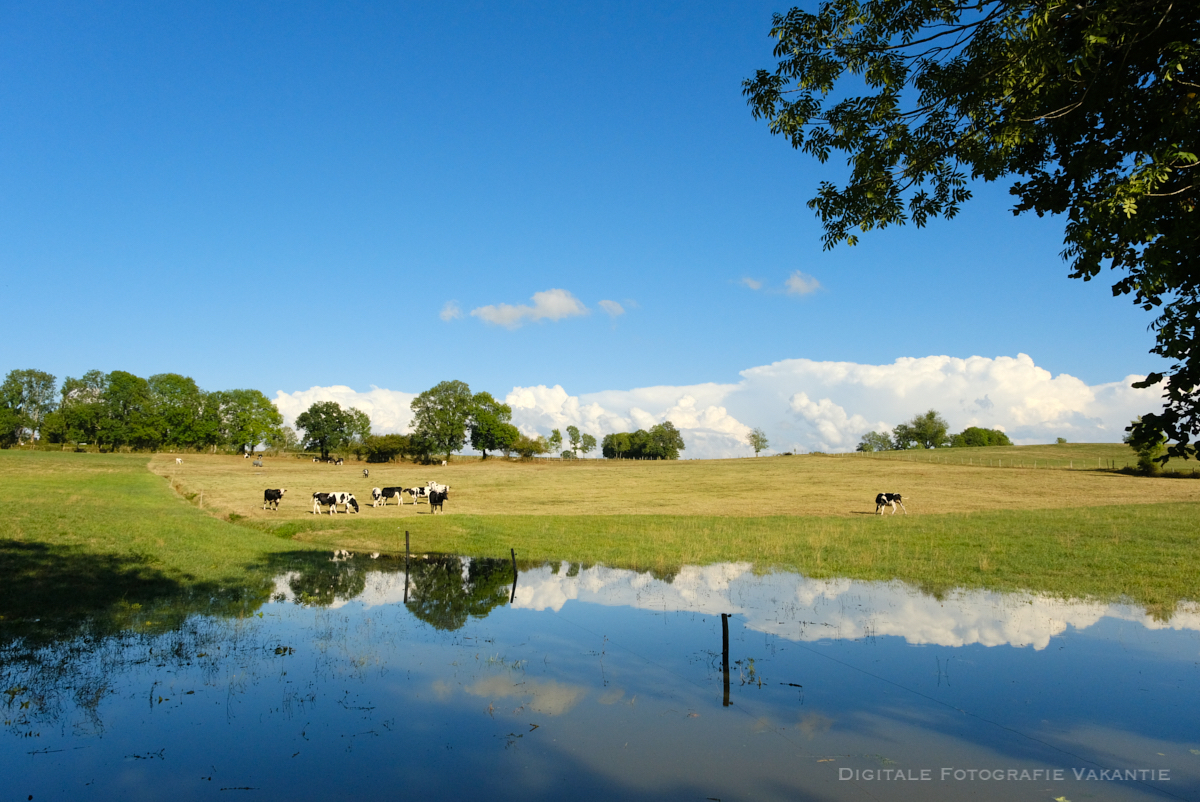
[(801, 284), (850, 608), (389, 410), (547, 305), (450, 311), (807, 405), (753, 284)]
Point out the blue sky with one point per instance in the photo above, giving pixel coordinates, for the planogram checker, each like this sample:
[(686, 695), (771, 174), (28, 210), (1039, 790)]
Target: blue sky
[(287, 196)]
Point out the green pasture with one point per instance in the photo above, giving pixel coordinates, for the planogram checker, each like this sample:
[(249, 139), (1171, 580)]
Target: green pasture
[(101, 532)]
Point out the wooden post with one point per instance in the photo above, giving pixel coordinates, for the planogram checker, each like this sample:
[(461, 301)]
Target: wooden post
[(512, 597), (725, 655)]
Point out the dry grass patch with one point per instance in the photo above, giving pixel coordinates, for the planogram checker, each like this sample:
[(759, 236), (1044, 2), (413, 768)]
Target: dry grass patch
[(809, 485)]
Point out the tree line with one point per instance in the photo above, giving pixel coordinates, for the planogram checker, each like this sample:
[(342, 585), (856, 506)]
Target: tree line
[(930, 430), (170, 411), (119, 409), (448, 416)]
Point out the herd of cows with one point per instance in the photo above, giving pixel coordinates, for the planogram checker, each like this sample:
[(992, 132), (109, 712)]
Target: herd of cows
[(436, 494)]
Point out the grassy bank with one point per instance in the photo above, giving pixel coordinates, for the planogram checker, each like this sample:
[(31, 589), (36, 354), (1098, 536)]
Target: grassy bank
[(1015, 528)]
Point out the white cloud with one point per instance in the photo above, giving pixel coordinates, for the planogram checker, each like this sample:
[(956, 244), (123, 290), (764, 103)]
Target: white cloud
[(801, 284), (837, 605), (753, 284), (450, 311), (548, 305), (612, 308), (815, 406), (389, 410)]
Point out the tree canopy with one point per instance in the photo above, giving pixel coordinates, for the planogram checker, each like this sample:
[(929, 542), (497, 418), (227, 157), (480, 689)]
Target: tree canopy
[(442, 414), (326, 426), (1091, 107), (923, 431), (757, 439), (663, 441)]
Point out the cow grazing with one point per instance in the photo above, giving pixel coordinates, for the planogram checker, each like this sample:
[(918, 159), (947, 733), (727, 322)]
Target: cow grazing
[(322, 500), (245, 455), (444, 489), (366, 473), (380, 496), (316, 459), (178, 461), (888, 499), (436, 499), (271, 498), (345, 499), (339, 461)]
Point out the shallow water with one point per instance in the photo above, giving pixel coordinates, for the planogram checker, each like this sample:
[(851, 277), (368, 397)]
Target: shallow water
[(600, 683)]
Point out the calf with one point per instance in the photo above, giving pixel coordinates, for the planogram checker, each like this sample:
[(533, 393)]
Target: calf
[(885, 499), (366, 473), (436, 499), (178, 461), (381, 495), (271, 498)]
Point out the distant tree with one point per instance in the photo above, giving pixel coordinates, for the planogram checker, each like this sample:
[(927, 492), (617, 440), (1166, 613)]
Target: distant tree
[(874, 441), (249, 418), (283, 439), (27, 396), (178, 407), (757, 439), (555, 441), (923, 431), (81, 407), (573, 437), (386, 448), (1150, 447), (326, 427), (587, 443), (505, 438), (442, 414), (529, 447), (666, 441), (615, 446), (1062, 441), (490, 427), (974, 437), (128, 412)]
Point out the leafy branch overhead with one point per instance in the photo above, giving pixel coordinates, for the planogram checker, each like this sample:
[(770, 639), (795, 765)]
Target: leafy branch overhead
[(1091, 107)]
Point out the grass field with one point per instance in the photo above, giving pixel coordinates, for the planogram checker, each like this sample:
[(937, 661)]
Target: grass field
[(1063, 530)]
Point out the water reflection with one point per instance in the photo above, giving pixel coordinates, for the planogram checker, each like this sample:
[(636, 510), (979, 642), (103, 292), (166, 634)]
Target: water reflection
[(336, 676)]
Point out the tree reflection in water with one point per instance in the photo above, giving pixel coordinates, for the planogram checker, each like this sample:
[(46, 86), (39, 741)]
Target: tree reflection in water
[(446, 591)]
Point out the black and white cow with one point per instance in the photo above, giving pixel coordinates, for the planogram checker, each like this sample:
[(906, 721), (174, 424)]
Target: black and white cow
[(339, 461), (271, 498), (886, 499), (332, 500), (322, 500), (366, 473), (381, 495), (345, 499), (436, 499), (444, 489), (416, 493)]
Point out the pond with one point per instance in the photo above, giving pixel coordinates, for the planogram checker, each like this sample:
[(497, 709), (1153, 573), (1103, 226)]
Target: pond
[(345, 676)]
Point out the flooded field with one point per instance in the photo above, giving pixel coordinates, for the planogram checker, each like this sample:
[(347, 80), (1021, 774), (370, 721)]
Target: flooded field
[(344, 676)]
